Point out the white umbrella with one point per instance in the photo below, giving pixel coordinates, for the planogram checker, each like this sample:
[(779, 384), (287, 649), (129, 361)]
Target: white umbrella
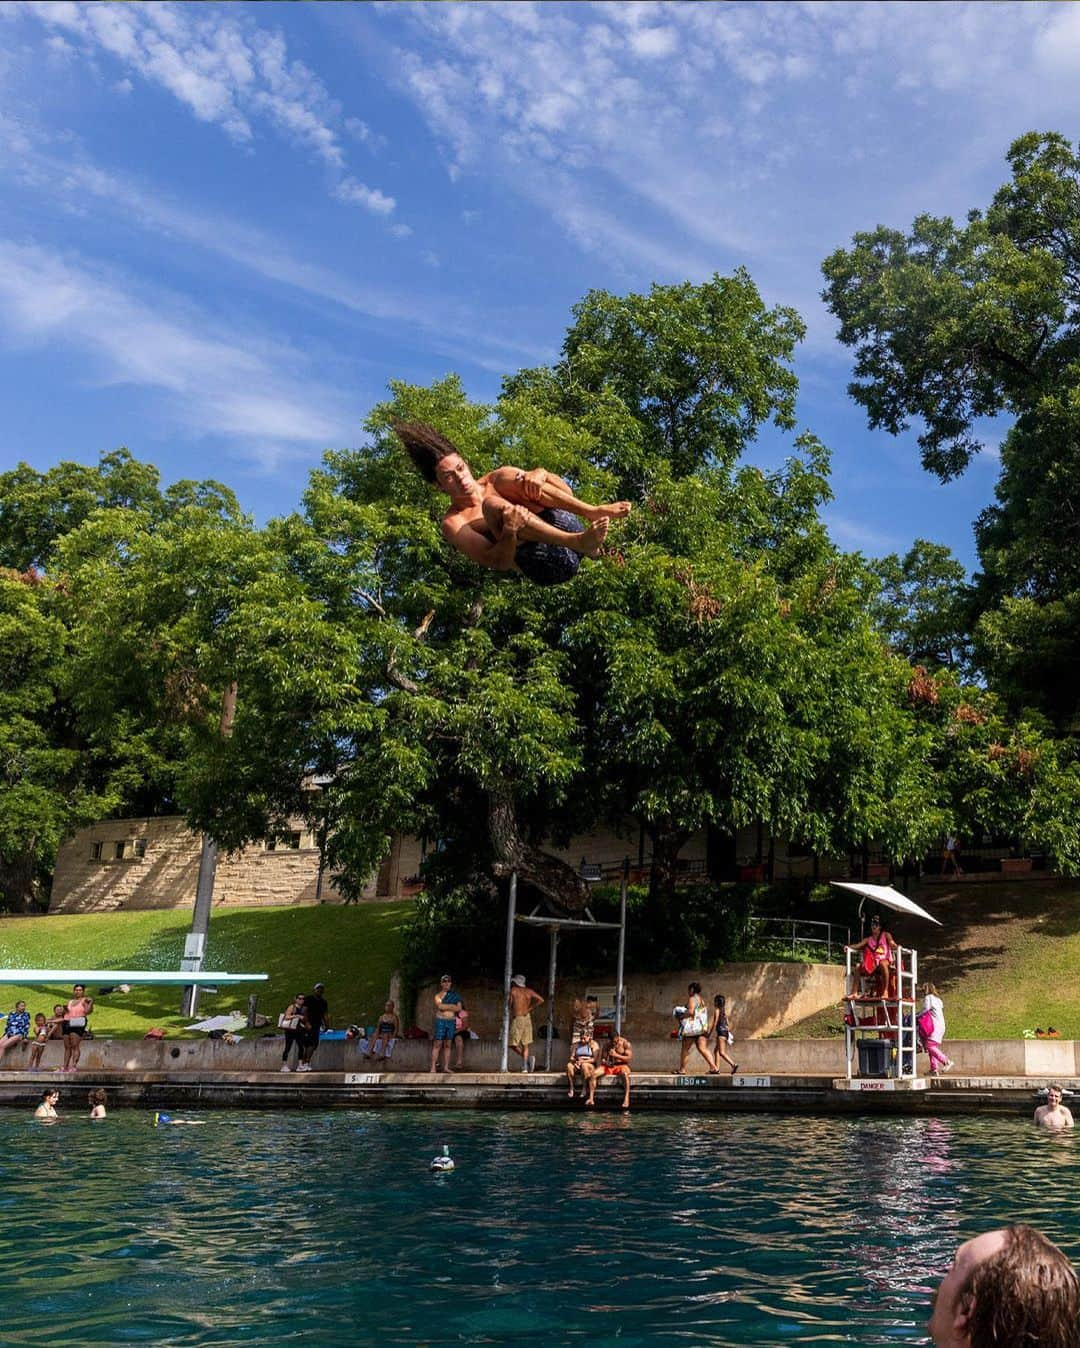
[(887, 897)]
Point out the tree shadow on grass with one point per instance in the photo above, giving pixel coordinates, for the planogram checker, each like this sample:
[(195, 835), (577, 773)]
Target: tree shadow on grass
[(352, 949)]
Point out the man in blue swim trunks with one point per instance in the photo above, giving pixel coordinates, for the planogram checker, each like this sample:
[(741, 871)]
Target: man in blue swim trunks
[(447, 1005)]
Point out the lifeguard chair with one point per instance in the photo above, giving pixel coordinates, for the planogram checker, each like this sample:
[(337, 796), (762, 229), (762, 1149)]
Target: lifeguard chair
[(881, 1034)]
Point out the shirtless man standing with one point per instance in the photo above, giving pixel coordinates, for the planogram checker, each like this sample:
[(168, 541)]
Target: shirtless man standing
[(522, 1001), (491, 515), (1053, 1114)]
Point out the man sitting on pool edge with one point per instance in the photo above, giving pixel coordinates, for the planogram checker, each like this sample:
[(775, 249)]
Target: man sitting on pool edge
[(1007, 1288), (616, 1064), (1054, 1115)]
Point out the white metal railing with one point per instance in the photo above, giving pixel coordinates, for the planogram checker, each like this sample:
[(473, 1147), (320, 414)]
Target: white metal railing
[(828, 934), (889, 1019)]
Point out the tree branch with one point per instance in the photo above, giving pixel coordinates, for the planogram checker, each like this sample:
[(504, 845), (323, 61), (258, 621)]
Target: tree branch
[(557, 881), (370, 599), (394, 674)]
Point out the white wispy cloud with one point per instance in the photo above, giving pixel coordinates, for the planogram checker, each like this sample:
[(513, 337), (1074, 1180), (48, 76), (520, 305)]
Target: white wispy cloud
[(440, 325), (860, 535), (368, 197), (225, 70), (707, 115), (214, 380)]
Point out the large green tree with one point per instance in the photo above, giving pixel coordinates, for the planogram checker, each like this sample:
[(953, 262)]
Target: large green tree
[(115, 605), (717, 666), (956, 326)]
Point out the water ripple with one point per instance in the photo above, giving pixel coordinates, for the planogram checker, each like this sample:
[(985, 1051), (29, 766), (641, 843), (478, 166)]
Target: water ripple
[(292, 1229)]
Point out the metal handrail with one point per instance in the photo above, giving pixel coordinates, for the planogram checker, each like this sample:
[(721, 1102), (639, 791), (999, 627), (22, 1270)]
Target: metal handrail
[(835, 935)]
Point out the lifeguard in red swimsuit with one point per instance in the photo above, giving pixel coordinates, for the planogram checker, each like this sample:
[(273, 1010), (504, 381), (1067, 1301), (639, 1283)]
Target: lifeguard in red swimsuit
[(877, 959)]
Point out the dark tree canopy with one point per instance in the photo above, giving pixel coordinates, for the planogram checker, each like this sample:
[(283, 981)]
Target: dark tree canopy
[(955, 323)]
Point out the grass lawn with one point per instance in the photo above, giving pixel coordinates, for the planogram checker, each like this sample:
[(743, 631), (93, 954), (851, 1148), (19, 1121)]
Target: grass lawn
[(353, 950), (1004, 960)]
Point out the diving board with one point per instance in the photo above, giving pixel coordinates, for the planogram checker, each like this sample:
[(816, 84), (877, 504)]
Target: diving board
[(178, 978)]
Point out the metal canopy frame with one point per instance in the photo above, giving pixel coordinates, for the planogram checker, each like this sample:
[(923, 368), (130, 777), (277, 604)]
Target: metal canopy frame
[(555, 925)]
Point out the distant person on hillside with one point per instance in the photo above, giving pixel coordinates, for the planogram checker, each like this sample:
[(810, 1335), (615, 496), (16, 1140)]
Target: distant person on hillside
[(616, 1063), (316, 1019), (694, 1029), (950, 856), (448, 1003), (17, 1030), (522, 1001), (1054, 1115), (931, 1027), (721, 1030), (96, 1100), (385, 1036), (879, 952), (1010, 1288), (76, 1018), (293, 1020)]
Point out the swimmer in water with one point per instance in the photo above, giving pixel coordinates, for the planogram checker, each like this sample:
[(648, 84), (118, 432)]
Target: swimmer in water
[(161, 1119), (1054, 1115), (96, 1100), (47, 1109)]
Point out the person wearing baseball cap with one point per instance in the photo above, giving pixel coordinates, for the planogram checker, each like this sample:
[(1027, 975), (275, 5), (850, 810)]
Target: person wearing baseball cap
[(522, 1001), (316, 1019)]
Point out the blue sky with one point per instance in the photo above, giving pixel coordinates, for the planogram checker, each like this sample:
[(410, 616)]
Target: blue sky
[(224, 228)]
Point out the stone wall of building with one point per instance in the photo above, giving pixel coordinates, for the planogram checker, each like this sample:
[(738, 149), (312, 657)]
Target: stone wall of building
[(154, 863)]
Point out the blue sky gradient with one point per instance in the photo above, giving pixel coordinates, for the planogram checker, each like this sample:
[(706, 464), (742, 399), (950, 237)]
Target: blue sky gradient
[(224, 228)]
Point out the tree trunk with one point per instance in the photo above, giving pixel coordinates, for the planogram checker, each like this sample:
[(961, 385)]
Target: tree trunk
[(558, 882), (667, 843), (17, 890)]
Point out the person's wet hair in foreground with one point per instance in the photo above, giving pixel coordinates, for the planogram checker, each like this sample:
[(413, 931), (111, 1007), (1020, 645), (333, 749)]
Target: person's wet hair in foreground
[(1010, 1288)]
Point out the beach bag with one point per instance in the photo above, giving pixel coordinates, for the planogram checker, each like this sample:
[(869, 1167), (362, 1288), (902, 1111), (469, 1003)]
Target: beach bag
[(696, 1024), (287, 1022), (925, 1022)]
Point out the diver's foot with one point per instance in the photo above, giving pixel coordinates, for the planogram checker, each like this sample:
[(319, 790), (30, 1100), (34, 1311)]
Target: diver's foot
[(592, 540)]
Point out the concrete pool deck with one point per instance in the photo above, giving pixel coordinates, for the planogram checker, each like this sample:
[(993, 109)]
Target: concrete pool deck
[(817, 1094), (801, 1076)]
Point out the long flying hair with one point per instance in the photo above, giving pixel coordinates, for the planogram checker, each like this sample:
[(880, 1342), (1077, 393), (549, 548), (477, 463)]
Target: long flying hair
[(424, 445)]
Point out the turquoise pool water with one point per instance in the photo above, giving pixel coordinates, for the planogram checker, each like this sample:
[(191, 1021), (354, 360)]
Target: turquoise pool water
[(325, 1228)]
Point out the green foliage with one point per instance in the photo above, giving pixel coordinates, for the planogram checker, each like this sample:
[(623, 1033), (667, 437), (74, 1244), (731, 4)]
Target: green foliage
[(953, 324), (923, 606)]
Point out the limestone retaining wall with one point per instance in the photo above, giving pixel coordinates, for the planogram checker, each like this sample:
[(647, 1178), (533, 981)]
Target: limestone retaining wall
[(756, 1057), (761, 999)]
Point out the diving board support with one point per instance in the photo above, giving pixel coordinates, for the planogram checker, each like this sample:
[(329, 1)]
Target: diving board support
[(508, 972)]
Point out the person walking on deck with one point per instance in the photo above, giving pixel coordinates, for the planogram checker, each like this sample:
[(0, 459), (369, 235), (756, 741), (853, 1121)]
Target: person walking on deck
[(522, 1001)]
